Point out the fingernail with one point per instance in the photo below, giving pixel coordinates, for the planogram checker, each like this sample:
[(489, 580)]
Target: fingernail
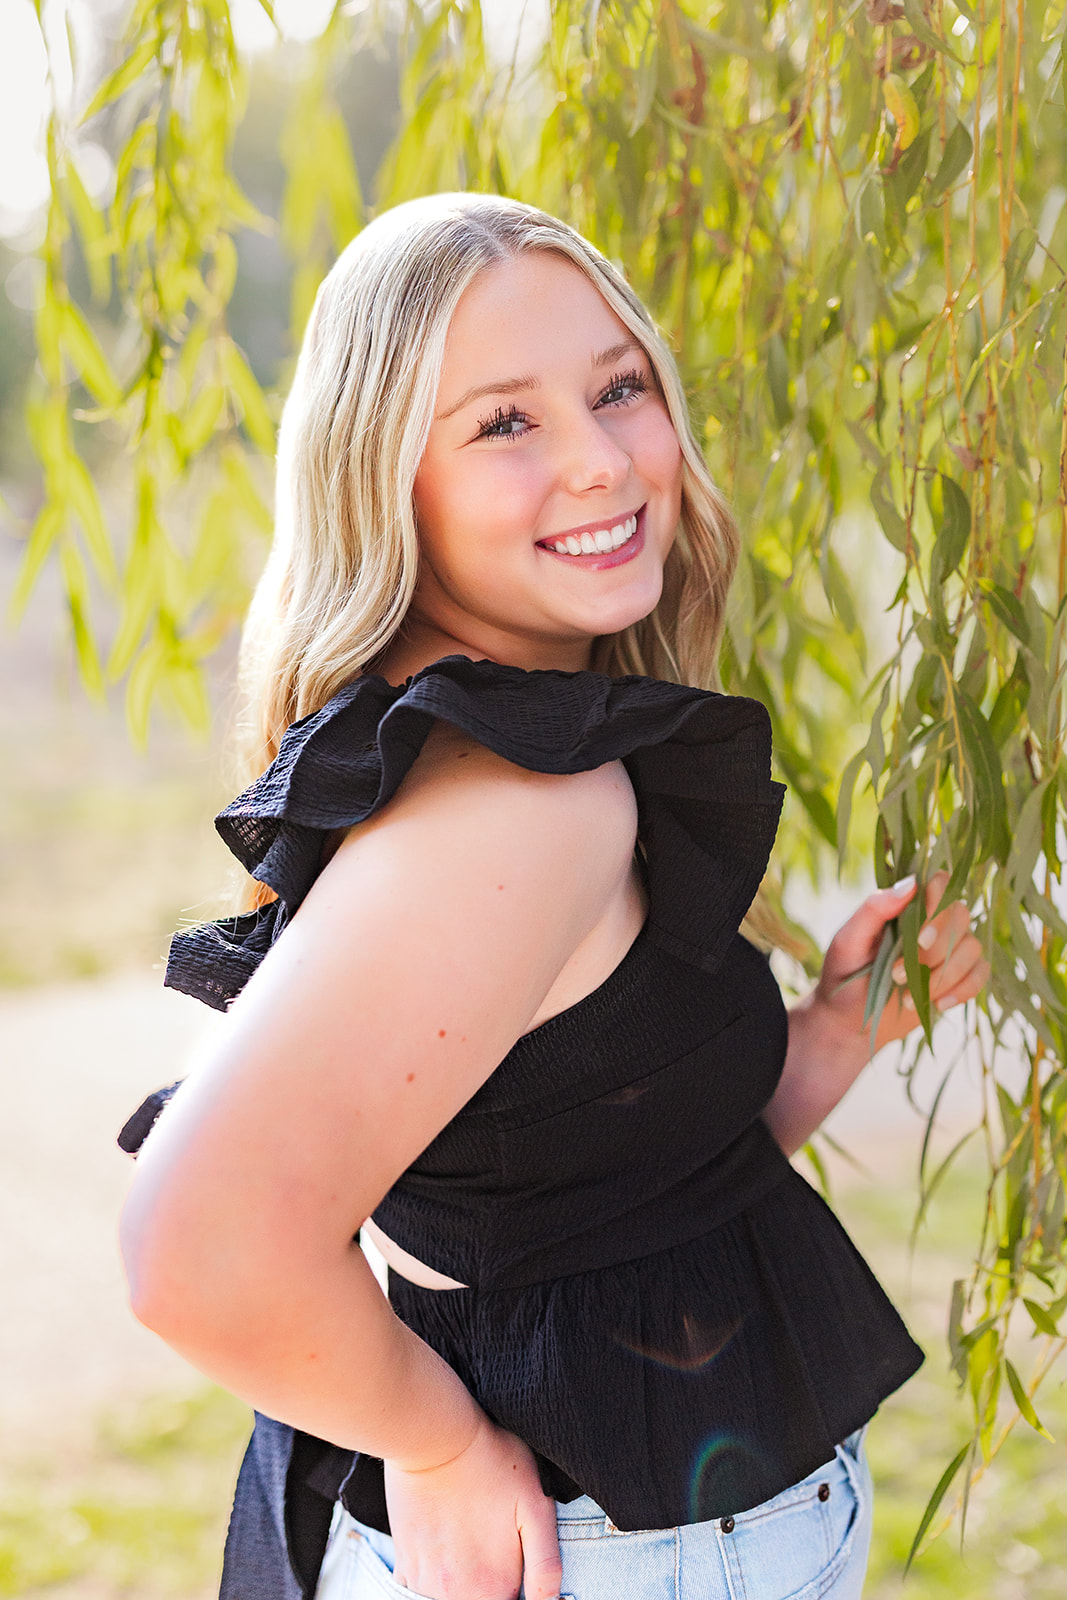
[(947, 1001), (909, 1003), (927, 936), (903, 883), (899, 973)]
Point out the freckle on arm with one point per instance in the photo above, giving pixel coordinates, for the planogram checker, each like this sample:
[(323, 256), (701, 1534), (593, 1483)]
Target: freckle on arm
[(440, 1033), (411, 1077)]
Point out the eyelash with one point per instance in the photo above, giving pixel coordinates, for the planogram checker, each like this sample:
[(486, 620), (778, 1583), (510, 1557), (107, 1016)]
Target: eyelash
[(633, 380)]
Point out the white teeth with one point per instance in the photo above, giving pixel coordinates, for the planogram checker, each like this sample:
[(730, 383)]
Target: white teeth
[(602, 542)]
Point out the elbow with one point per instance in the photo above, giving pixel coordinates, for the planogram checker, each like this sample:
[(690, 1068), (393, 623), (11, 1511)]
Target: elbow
[(155, 1274), (175, 1279)]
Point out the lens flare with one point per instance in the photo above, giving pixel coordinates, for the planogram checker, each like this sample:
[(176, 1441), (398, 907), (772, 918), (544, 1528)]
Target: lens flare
[(696, 1349), (711, 1455)]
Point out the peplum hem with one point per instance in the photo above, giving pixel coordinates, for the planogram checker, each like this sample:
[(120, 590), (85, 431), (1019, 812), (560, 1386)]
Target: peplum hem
[(739, 1359)]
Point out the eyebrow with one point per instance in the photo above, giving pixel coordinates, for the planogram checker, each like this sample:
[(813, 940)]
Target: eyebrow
[(600, 358)]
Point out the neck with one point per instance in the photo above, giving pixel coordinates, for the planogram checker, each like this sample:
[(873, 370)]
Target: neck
[(419, 643)]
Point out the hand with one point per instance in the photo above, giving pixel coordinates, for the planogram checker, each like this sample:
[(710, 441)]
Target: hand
[(947, 946), (477, 1527)]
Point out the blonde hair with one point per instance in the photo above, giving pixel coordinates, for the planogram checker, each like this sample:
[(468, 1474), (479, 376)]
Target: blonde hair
[(343, 568)]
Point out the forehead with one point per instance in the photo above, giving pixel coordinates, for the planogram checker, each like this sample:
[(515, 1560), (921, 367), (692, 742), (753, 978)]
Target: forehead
[(531, 310)]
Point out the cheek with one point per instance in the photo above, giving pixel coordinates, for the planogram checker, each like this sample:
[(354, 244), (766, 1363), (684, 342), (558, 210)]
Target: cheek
[(666, 454), (655, 450)]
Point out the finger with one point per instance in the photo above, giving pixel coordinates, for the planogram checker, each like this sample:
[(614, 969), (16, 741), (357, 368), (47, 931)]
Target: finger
[(970, 985), (542, 1575), (939, 940), (954, 969), (935, 888), (857, 941), (941, 937)]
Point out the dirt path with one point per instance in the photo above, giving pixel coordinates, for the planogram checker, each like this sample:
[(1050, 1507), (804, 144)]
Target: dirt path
[(76, 1059)]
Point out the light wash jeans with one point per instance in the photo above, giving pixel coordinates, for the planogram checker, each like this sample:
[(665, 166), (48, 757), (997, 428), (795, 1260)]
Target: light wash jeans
[(810, 1541)]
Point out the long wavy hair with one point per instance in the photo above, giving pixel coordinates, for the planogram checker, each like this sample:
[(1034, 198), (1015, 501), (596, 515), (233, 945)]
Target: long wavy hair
[(345, 557)]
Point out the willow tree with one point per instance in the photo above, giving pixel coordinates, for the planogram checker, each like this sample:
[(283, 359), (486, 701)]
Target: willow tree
[(849, 220)]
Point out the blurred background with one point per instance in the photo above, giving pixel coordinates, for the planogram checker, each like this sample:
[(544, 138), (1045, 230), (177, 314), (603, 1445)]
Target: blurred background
[(116, 1460)]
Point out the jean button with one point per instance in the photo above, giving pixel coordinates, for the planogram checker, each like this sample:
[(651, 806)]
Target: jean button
[(727, 1524), (824, 1491)]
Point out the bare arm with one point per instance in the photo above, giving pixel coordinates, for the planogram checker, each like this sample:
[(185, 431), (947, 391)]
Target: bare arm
[(828, 1044), (420, 955)]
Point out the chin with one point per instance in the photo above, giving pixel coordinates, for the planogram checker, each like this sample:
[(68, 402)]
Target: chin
[(623, 611)]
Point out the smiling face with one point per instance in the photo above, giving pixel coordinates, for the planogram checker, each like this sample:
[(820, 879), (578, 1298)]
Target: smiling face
[(549, 492)]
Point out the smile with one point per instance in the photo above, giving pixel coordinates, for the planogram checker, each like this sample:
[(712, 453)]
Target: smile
[(601, 542)]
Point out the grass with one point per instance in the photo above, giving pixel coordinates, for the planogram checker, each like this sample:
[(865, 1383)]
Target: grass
[(1015, 1545), (139, 1512)]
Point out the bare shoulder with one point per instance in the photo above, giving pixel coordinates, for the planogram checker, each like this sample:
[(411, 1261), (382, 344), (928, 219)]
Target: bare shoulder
[(423, 950), (456, 777)]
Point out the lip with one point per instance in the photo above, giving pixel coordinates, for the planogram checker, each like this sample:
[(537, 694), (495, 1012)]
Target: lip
[(599, 560)]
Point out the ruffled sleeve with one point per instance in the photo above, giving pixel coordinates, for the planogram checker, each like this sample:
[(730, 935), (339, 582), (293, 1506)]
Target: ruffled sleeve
[(700, 765)]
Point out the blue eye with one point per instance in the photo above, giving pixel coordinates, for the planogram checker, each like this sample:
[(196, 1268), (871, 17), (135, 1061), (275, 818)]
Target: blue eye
[(502, 424), (624, 387)]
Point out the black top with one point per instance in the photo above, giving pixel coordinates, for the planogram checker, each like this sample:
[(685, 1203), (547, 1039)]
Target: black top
[(659, 1305)]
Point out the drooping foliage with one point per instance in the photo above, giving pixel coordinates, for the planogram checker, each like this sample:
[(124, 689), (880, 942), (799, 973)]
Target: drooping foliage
[(850, 220)]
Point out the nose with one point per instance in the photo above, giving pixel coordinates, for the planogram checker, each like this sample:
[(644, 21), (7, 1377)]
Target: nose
[(590, 457)]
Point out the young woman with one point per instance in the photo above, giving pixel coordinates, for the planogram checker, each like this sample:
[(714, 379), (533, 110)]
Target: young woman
[(493, 1007)]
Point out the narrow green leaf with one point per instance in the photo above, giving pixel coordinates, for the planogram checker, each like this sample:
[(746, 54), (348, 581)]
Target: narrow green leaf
[(141, 687), (1041, 1319), (778, 380), (893, 525), (197, 425), (920, 27), (955, 531), (1026, 839), (1010, 703), (845, 797), (140, 590), (934, 1501), (982, 761), (912, 919), (124, 75), (45, 531), (77, 588), (92, 227), (811, 1153), (955, 159), (183, 685), (1017, 259), (1025, 1404), (647, 78), (957, 1349), (257, 420), (1009, 610), (81, 344), (880, 982), (85, 504)]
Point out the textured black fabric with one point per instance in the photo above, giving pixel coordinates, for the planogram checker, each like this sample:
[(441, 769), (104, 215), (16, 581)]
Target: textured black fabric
[(658, 1304), (700, 765)]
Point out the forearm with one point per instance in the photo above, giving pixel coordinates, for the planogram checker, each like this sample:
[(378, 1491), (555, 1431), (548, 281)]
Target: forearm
[(823, 1060)]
